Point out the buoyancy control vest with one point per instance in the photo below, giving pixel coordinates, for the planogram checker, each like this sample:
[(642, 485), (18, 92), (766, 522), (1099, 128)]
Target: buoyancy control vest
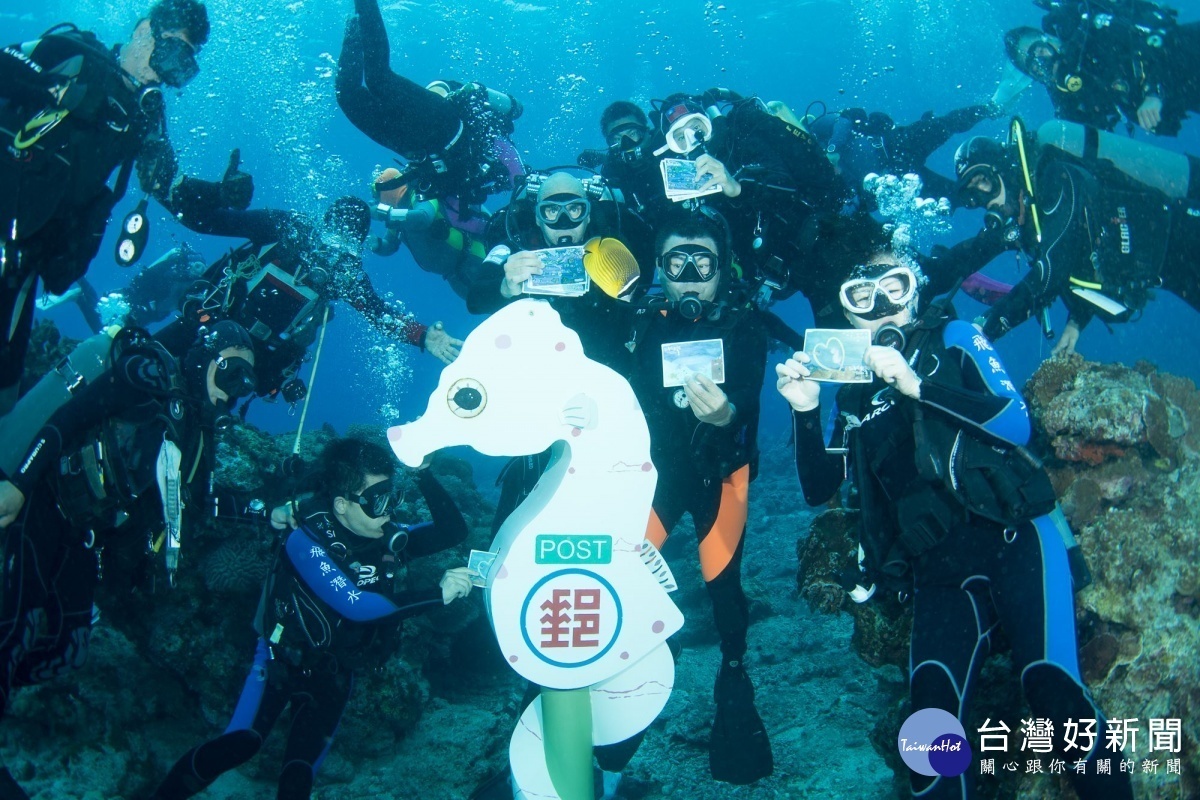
[(1127, 227), (57, 156), (959, 473), (99, 484), (303, 610)]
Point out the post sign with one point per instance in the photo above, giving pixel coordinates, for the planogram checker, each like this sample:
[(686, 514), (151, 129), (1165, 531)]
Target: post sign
[(552, 548)]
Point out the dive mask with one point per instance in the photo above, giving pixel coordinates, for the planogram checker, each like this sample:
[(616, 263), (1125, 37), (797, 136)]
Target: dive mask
[(563, 215), (377, 500), (689, 263), (626, 137), (875, 298), (235, 376), (969, 195), (1040, 61), (173, 60)]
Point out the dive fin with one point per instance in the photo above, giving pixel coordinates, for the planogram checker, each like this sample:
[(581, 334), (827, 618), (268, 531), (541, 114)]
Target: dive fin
[(739, 750)]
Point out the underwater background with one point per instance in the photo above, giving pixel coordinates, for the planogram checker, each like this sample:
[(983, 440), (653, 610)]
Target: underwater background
[(162, 679), (266, 86)]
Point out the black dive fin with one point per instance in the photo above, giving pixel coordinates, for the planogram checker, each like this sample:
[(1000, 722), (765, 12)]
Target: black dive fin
[(739, 750)]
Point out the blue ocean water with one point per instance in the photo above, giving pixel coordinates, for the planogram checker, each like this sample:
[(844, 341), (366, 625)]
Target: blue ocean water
[(266, 87)]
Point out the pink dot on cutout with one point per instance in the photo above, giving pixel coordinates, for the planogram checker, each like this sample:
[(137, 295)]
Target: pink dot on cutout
[(570, 470), (647, 467), (576, 431), (625, 656), (658, 626), (503, 573), (503, 341), (512, 659), (394, 433), (560, 346)]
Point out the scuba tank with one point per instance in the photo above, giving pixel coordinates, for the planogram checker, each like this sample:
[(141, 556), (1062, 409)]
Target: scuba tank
[(1158, 169), (17, 428)]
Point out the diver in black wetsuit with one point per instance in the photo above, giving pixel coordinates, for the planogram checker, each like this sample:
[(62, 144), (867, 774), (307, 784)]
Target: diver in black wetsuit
[(704, 443), (332, 606), (1096, 237), (1106, 59), (74, 112), (455, 136), (561, 212), (135, 444), (953, 512), (280, 283), (859, 143)]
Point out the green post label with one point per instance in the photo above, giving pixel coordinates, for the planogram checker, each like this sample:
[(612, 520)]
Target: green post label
[(553, 548)]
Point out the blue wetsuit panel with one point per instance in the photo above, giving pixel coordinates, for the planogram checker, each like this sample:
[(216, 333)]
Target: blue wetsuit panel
[(252, 692), (988, 399), (331, 585)]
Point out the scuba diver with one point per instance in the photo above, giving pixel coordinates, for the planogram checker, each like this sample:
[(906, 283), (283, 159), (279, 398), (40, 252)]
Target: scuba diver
[(436, 245), (554, 211), (121, 467), (332, 606), (774, 178), (280, 284), (74, 112), (455, 137), (630, 163), (954, 511), (858, 144), (155, 291), (1102, 220), (1102, 60), (703, 440)]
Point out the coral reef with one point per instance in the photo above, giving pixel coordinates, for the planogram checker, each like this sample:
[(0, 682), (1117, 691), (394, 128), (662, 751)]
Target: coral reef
[(1121, 447)]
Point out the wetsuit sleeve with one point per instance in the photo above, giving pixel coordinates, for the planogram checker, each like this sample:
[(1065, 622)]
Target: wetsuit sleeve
[(337, 589), (945, 266), (821, 473), (259, 225), (987, 399), (1064, 242), (131, 382), (780, 331), (387, 320), (745, 368), (446, 527), (912, 145)]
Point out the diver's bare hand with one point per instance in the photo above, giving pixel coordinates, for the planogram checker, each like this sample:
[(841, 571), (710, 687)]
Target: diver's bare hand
[(442, 345), (11, 502), (455, 583), (1149, 114), (518, 269), (708, 402), (1066, 343), (718, 175), (796, 385)]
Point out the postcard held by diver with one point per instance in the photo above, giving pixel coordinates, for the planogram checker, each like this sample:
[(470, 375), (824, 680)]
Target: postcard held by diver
[(836, 356), (682, 181), (681, 360), (562, 273), (480, 564)]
